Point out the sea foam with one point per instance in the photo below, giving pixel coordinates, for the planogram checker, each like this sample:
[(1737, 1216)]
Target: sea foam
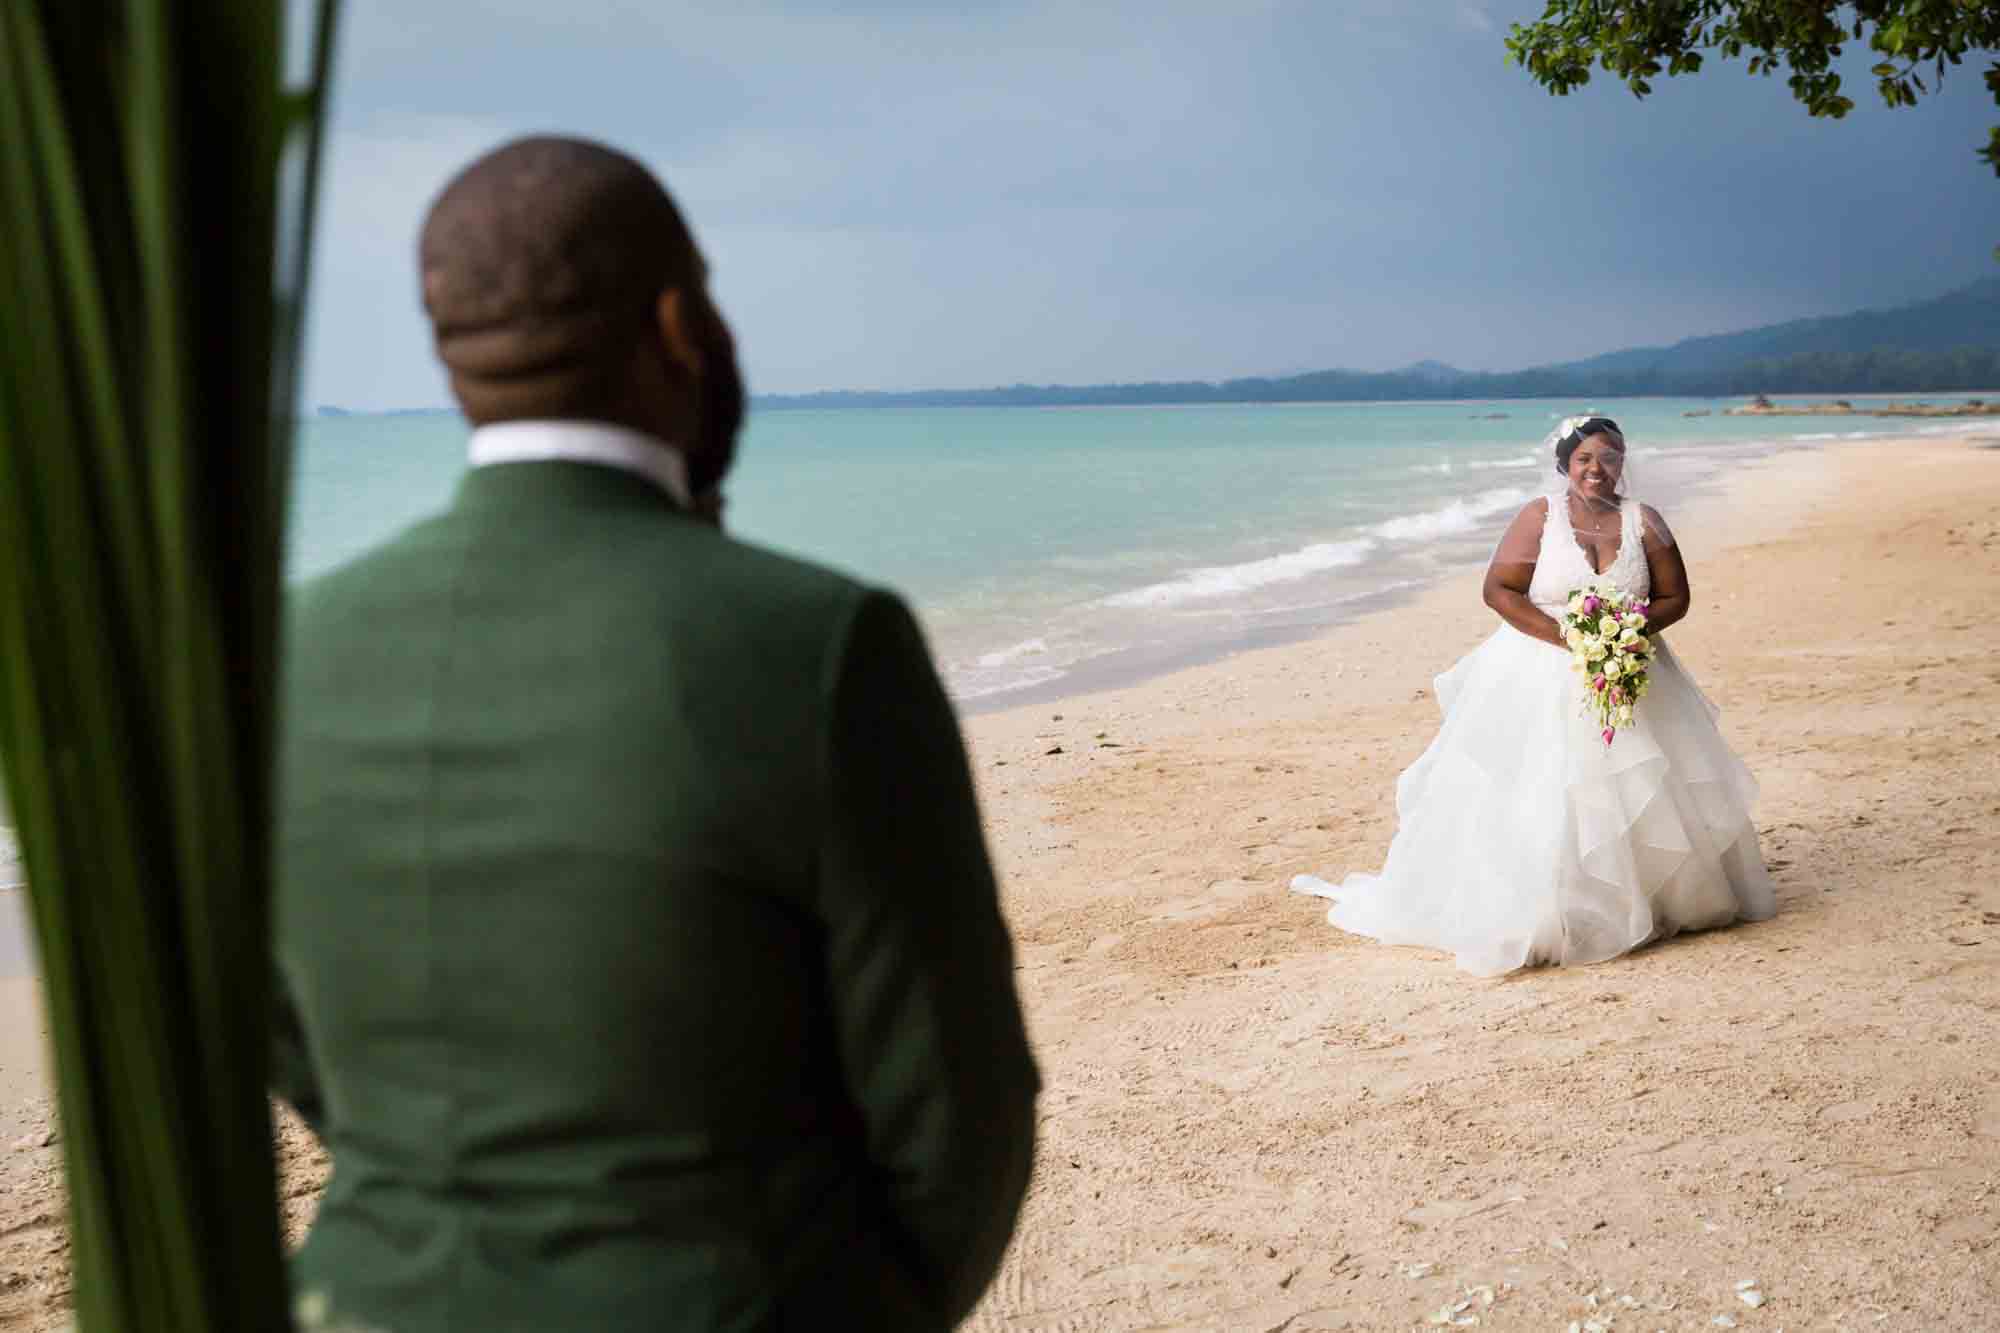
[(1226, 580), (1006, 656), (1460, 516), (1214, 581)]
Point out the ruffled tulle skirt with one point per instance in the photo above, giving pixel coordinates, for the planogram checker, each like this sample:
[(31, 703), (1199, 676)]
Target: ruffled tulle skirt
[(1522, 838)]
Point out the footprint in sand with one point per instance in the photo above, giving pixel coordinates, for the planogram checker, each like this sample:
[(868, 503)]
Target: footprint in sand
[(1840, 1113)]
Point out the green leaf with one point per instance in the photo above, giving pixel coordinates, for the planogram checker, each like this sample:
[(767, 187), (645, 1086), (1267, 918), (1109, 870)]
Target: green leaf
[(139, 461)]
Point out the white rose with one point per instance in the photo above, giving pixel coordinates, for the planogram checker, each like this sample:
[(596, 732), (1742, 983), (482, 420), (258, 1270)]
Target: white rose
[(1608, 627), (1613, 669)]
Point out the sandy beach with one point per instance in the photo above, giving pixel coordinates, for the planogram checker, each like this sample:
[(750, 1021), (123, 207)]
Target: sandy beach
[(1254, 1122)]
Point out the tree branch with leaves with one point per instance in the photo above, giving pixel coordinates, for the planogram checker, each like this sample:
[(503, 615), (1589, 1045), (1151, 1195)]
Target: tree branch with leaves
[(1917, 40)]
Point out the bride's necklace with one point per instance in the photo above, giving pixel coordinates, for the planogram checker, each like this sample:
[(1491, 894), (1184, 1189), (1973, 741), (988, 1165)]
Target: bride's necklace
[(1595, 528)]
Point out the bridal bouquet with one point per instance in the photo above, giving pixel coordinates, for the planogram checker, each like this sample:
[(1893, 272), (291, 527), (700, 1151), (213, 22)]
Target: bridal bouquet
[(1606, 634)]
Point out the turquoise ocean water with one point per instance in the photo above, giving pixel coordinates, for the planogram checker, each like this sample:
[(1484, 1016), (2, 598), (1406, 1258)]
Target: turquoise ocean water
[(1053, 549)]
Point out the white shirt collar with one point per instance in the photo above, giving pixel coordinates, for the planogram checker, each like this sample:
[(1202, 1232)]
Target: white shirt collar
[(584, 442)]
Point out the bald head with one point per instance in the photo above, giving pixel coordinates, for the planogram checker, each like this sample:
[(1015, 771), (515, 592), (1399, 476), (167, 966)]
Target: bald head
[(544, 264)]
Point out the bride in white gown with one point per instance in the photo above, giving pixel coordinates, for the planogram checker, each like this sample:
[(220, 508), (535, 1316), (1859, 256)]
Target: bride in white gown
[(1522, 837)]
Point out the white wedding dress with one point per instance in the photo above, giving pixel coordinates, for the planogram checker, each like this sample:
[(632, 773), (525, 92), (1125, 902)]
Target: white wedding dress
[(1522, 838)]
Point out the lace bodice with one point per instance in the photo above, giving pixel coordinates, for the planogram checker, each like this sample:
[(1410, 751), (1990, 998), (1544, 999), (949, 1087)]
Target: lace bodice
[(1562, 566)]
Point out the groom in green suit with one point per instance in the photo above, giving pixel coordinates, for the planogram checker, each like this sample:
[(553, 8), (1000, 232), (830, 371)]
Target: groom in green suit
[(641, 960)]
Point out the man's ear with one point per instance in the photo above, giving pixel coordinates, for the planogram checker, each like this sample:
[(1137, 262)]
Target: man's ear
[(678, 320)]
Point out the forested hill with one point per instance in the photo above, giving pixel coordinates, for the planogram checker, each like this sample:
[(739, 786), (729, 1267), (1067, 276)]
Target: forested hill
[(1938, 346)]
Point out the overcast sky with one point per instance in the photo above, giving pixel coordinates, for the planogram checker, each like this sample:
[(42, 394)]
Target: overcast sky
[(898, 196)]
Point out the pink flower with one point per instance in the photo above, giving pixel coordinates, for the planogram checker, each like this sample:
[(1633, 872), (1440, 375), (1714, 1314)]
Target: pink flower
[(1590, 605), (1597, 684), (1609, 732)]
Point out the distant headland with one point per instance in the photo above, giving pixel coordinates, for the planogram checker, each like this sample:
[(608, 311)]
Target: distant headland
[(1947, 345), (1950, 344)]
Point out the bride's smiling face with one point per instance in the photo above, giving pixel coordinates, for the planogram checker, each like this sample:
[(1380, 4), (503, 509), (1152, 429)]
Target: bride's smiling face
[(1595, 467)]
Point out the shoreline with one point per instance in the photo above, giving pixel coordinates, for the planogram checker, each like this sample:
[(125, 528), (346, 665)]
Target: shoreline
[(1972, 409), (1136, 665), (1706, 515)]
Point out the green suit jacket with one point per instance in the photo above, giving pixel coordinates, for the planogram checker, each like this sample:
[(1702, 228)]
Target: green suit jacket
[(640, 957)]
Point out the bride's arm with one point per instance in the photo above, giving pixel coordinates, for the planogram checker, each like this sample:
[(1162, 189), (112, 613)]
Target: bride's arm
[(1513, 570), (1670, 598)]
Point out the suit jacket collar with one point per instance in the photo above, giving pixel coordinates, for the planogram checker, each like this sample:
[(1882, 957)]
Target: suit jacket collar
[(590, 442)]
